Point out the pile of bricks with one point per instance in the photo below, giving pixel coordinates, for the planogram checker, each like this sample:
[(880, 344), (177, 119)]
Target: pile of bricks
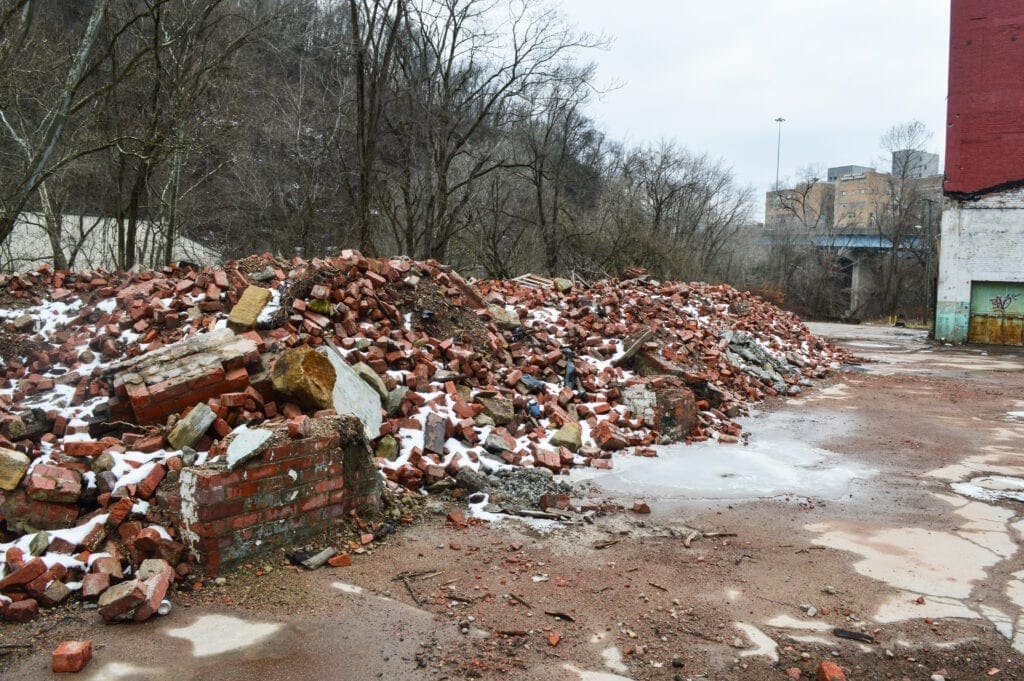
[(112, 383)]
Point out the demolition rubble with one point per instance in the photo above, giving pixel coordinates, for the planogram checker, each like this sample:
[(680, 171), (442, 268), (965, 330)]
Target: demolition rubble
[(151, 421)]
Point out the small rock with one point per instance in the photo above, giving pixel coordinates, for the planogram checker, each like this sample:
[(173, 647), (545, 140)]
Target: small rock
[(13, 465), (189, 429), (830, 671)]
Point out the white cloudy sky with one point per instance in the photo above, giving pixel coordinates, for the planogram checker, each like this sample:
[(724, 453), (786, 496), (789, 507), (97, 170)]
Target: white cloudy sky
[(713, 74)]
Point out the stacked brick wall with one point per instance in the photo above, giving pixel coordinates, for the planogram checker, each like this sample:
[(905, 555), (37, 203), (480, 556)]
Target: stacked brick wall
[(667, 407), (170, 380), (984, 132), (293, 490)]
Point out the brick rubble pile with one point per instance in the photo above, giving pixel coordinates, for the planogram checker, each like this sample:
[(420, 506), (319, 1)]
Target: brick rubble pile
[(112, 382)]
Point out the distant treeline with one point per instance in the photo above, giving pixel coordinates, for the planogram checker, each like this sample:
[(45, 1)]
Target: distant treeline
[(448, 129)]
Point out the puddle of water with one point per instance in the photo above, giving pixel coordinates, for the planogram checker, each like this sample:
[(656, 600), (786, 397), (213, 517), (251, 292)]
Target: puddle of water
[(216, 634), (114, 671), (778, 461), (763, 644)]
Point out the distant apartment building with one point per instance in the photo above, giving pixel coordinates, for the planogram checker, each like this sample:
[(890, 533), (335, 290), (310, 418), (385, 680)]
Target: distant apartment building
[(914, 163), (843, 171), (809, 205), (852, 197), (980, 295)]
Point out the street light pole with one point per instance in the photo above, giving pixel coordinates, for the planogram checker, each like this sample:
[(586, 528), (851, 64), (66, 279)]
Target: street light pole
[(778, 150)]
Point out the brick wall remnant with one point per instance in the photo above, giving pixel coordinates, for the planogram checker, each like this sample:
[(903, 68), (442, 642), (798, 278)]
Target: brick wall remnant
[(172, 379), (292, 490), (663, 405)]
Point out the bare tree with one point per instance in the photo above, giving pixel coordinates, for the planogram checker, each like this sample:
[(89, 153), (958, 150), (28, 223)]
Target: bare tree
[(899, 214), (461, 80), (38, 137)]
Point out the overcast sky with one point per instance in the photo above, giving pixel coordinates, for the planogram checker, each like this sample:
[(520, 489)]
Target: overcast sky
[(714, 74)]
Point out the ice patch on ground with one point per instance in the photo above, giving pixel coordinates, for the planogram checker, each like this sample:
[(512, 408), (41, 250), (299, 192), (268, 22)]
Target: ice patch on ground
[(542, 525), (112, 671), (763, 644), (991, 488), (216, 634), (348, 588), (612, 657), (585, 675), (777, 462)]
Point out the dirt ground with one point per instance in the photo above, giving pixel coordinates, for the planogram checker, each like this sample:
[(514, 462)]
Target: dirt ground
[(872, 504)]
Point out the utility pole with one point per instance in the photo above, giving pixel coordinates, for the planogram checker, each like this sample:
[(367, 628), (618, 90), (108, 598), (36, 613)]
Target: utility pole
[(778, 150)]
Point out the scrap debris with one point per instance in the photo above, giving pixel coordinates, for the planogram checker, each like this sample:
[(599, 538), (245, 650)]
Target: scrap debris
[(112, 383)]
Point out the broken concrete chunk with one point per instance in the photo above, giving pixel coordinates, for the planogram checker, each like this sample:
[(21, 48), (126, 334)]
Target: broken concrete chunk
[(499, 440), (24, 323), (305, 377), (561, 285), (247, 310), (500, 409), (387, 448), (155, 566), (13, 465), (568, 436), (103, 462), (121, 599), (39, 543), (352, 395), (395, 398), (189, 429), (433, 433), (156, 589), (13, 428), (372, 377), (245, 444), (471, 480), (56, 592), (503, 318)]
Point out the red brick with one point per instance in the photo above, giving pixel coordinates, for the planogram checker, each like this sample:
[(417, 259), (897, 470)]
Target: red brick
[(830, 671), (242, 521), (121, 599), (156, 589), (83, 448), (71, 656), (119, 512), (147, 541), (94, 584), (148, 486), (149, 443), (25, 574), (21, 611)]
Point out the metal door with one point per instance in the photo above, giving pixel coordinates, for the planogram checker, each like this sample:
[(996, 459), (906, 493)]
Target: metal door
[(997, 313)]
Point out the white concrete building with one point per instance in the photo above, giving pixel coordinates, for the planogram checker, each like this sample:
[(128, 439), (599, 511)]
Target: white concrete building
[(93, 241), (980, 295)]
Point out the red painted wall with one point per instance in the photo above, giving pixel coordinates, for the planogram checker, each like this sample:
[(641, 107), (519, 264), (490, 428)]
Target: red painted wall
[(985, 114)]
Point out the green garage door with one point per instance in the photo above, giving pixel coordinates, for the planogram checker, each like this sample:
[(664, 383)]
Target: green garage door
[(997, 313)]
